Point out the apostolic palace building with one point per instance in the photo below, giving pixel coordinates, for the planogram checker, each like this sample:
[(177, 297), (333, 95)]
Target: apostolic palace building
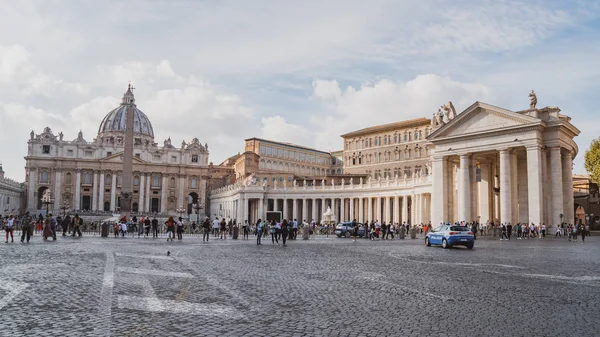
[(483, 164)]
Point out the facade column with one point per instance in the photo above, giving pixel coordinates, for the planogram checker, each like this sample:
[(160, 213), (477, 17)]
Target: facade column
[(100, 196), (163, 195), (285, 209), (32, 183), (182, 202), (505, 186), (276, 205), (439, 192), (567, 183), (369, 209), (261, 208), (464, 191), (141, 201), (395, 217), (388, 214), (147, 194), (377, 209), (412, 209), (94, 191), (514, 189), (314, 210), (56, 194), (352, 215), (405, 209), (244, 208), (522, 190), (77, 198), (534, 184), (113, 192)]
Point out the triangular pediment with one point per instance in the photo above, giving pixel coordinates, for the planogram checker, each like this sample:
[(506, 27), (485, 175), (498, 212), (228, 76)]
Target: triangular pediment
[(481, 118), (118, 158)]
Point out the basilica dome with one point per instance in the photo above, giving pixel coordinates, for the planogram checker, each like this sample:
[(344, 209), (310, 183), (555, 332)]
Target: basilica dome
[(116, 120)]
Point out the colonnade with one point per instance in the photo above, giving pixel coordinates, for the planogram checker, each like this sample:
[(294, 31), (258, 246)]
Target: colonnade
[(407, 208)]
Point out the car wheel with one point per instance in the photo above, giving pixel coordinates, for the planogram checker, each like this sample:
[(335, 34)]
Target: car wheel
[(427, 243), (470, 246), (347, 234), (444, 244)]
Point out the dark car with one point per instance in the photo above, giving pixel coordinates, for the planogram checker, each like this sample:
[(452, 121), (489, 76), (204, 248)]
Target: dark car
[(346, 229)]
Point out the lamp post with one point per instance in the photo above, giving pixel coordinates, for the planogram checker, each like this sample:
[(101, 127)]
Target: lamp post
[(561, 218), (181, 210), (198, 207), (47, 200), (64, 208), (328, 215)]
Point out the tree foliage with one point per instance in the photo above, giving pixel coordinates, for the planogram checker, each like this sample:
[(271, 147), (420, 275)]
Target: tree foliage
[(592, 160)]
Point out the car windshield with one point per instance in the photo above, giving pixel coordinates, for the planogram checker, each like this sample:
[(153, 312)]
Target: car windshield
[(459, 229)]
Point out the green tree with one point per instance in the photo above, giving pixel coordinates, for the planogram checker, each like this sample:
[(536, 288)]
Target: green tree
[(592, 160)]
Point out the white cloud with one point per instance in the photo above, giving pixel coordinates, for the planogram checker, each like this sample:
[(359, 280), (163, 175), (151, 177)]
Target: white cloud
[(276, 128)]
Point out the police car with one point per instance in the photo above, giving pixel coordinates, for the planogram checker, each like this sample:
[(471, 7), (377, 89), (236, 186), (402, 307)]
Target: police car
[(450, 235)]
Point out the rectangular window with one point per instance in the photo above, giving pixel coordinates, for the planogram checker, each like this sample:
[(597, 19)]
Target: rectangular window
[(137, 155), (89, 153), (156, 157), (108, 154), (173, 159), (70, 153), (46, 149), (194, 158)]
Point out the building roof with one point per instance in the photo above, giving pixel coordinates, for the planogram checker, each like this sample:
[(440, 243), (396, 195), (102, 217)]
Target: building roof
[(287, 144), (389, 127)]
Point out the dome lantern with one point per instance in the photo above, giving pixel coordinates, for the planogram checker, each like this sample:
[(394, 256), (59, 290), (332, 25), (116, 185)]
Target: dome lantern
[(114, 123)]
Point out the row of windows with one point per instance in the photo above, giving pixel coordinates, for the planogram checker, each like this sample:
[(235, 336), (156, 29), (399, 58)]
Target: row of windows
[(379, 157), (90, 154), (397, 138), (87, 180), (294, 155)]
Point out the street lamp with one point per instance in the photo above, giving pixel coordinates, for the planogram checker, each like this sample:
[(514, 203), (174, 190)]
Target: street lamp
[(198, 207), (64, 208), (561, 218), (181, 210), (47, 200)]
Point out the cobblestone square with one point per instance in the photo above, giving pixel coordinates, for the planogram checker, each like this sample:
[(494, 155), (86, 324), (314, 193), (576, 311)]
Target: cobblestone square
[(322, 287)]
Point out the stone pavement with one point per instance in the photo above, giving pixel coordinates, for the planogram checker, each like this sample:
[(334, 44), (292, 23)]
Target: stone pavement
[(325, 287)]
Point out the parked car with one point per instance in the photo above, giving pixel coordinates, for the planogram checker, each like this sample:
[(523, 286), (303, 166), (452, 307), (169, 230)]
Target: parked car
[(346, 229), (450, 235)]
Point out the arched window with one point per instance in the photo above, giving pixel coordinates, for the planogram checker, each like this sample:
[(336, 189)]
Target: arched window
[(136, 181), (44, 177), (155, 181), (87, 178), (108, 179), (68, 178), (194, 183), (172, 184)]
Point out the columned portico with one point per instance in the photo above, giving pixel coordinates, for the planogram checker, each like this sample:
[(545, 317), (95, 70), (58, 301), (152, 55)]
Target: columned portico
[(464, 189)]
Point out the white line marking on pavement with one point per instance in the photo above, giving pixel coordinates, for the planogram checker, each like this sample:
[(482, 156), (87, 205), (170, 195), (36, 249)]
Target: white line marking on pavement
[(150, 304), (462, 264), (377, 278), (158, 257), (104, 311), (153, 272), (13, 288)]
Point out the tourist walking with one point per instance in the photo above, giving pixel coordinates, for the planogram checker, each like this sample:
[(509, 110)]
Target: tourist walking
[(285, 230), (259, 230), (274, 228), (66, 225), (47, 228), (558, 232), (77, 222), (147, 226), (503, 232), (180, 229), (245, 230), (154, 228), (583, 233), (223, 229), (10, 228), (509, 230), (26, 227), (216, 227), (170, 228), (205, 229)]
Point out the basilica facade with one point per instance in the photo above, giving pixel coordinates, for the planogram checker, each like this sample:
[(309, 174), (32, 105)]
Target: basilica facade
[(485, 164), (86, 175)]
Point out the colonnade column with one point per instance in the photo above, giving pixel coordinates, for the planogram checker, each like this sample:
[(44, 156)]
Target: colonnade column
[(285, 209), (294, 208), (567, 183), (378, 210), (304, 209), (361, 216), (464, 190), (147, 194), (484, 192), (439, 192), (261, 211), (405, 208), (314, 209), (100, 195), (534, 184), (395, 217), (556, 166), (352, 216), (370, 209), (505, 186), (388, 215)]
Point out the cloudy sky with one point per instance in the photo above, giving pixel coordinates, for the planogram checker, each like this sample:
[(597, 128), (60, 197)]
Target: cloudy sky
[(297, 71)]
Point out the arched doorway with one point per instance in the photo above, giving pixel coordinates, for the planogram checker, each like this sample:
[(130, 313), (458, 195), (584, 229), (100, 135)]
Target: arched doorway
[(107, 206), (40, 194), (134, 207), (192, 199)]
